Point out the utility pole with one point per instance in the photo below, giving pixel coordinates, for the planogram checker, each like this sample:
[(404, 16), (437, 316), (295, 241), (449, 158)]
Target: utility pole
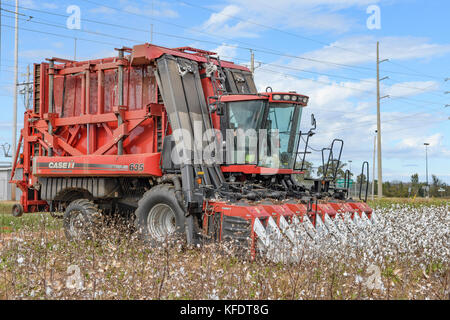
[(16, 74), (380, 166), (27, 89), (426, 159), (373, 164), (380, 175), (252, 61)]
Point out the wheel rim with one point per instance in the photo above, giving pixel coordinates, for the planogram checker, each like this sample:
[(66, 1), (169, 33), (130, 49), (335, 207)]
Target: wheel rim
[(161, 221)]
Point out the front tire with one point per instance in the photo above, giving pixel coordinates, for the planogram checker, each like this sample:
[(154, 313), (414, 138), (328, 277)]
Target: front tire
[(159, 217), (81, 219)]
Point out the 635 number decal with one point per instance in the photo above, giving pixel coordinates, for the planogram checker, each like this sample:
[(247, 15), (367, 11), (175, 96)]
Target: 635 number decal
[(136, 167)]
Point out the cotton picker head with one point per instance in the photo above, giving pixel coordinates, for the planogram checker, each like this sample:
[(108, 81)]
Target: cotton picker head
[(265, 200)]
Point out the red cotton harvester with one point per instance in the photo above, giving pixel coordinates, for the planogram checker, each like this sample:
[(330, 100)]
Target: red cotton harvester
[(128, 136)]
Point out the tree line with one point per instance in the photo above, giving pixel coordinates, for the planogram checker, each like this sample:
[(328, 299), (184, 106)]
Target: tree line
[(413, 188)]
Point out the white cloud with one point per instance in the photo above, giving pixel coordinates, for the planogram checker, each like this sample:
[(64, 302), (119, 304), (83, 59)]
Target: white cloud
[(148, 11), (221, 17), (413, 144), (28, 4), (224, 23), (321, 15), (411, 88), (226, 51), (102, 10), (42, 54), (48, 5), (362, 49), (349, 114), (58, 44)]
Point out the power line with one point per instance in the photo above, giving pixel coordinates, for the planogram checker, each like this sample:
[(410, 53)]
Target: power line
[(410, 69), (261, 49), (290, 33), (280, 66), (84, 31), (107, 35), (348, 87), (425, 90), (59, 35), (360, 124), (137, 41), (345, 87), (342, 77), (252, 46), (366, 123), (265, 26), (96, 33)]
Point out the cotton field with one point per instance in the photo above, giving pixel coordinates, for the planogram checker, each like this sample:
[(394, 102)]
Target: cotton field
[(406, 255)]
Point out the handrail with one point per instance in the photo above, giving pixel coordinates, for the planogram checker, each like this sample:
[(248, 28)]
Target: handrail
[(325, 167), (365, 164), (347, 178), (331, 159)]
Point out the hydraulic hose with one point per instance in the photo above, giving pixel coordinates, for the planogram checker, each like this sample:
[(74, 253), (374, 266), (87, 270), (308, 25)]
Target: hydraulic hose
[(175, 180)]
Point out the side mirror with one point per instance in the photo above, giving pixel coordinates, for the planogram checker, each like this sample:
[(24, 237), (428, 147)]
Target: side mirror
[(216, 106), (313, 122), (220, 111)]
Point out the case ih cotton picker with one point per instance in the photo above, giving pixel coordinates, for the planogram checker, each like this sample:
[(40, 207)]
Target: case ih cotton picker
[(109, 136)]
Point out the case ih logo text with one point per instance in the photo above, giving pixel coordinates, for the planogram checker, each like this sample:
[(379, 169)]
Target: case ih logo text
[(62, 165)]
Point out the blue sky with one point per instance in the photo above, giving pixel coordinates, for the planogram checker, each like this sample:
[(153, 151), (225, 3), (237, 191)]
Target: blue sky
[(321, 48)]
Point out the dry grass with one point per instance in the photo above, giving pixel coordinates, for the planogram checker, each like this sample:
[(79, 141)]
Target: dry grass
[(35, 263)]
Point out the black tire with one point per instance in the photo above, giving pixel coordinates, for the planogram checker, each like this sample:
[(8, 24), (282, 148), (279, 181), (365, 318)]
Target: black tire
[(81, 219), (17, 210), (159, 217)]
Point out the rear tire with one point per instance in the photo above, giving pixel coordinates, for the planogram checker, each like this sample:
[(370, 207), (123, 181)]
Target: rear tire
[(81, 219), (159, 217)]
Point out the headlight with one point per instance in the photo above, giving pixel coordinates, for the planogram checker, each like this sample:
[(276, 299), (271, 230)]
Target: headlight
[(287, 97), (276, 97), (294, 98), (305, 100)]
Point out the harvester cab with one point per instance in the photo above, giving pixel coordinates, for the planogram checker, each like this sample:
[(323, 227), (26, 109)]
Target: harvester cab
[(181, 143), (261, 131)]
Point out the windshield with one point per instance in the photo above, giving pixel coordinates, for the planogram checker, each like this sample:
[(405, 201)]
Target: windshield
[(246, 114), (245, 118), (282, 125)]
